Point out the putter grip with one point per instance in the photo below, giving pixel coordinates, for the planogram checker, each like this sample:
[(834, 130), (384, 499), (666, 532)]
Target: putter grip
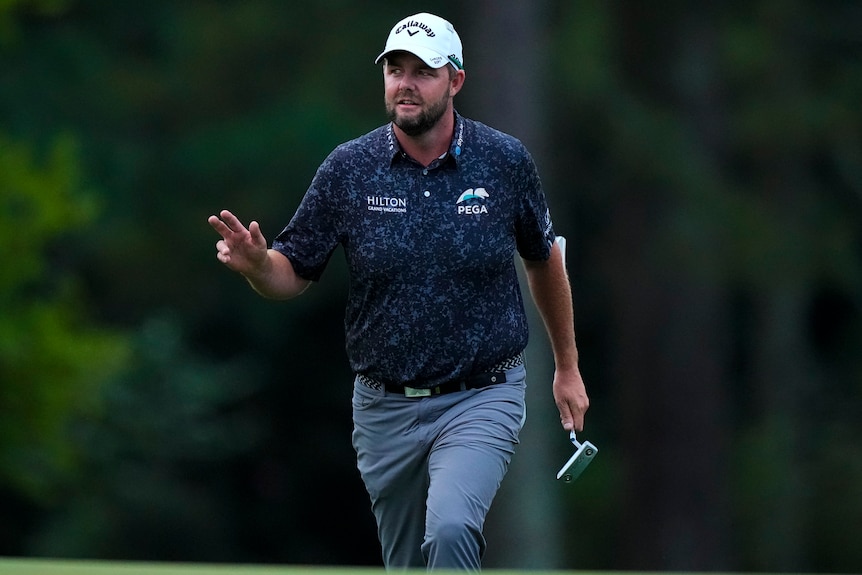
[(561, 241)]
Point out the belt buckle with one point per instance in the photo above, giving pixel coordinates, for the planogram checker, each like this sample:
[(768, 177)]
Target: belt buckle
[(414, 392)]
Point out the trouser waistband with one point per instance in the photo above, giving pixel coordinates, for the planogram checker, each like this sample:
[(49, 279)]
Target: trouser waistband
[(495, 375)]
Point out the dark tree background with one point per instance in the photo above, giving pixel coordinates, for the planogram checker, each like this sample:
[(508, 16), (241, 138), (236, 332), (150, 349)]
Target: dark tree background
[(704, 160)]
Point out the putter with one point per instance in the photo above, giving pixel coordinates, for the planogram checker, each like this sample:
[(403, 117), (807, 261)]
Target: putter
[(579, 461), (586, 450), (561, 241)]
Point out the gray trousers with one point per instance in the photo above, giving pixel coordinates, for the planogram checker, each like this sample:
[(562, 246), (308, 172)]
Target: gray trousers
[(432, 467)]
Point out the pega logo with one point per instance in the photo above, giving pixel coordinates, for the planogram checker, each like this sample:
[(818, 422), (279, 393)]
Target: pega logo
[(472, 208), (471, 194)]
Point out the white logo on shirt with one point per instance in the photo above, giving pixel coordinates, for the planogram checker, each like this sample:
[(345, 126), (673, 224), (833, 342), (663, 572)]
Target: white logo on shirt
[(478, 193), (384, 204), (472, 208)]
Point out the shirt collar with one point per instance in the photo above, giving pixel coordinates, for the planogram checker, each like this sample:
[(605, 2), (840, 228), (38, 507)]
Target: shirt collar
[(456, 147)]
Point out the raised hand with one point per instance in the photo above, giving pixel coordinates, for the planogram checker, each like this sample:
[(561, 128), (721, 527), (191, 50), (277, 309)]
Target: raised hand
[(240, 249)]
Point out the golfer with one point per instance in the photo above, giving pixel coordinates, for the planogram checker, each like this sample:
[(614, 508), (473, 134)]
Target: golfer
[(429, 210)]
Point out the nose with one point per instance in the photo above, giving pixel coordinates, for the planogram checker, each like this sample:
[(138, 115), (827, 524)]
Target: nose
[(406, 83), (407, 80)]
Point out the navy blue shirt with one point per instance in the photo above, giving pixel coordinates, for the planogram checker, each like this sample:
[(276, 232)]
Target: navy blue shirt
[(434, 293)]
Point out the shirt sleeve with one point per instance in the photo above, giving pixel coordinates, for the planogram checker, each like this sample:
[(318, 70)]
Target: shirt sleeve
[(534, 231), (312, 235)]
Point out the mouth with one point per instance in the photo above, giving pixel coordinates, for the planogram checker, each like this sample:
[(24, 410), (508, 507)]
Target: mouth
[(407, 101)]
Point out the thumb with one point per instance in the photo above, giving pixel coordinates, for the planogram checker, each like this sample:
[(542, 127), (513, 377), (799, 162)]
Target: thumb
[(256, 234)]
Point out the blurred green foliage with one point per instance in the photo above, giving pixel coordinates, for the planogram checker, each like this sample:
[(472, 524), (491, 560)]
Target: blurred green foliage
[(52, 355), (704, 161)]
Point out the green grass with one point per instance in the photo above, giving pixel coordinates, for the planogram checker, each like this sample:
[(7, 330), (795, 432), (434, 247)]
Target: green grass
[(61, 567), (12, 566), (27, 566), (9, 566)]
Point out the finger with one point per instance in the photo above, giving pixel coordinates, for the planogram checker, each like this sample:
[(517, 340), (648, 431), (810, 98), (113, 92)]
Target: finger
[(218, 225), (222, 252), (232, 221), (566, 418), (578, 422)]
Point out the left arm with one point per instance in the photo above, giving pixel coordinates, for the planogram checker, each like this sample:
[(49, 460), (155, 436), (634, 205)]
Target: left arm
[(549, 286)]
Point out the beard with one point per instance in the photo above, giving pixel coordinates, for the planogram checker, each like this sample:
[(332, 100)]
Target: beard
[(423, 122)]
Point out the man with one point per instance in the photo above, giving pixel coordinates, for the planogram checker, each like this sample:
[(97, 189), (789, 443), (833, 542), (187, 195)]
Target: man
[(429, 210)]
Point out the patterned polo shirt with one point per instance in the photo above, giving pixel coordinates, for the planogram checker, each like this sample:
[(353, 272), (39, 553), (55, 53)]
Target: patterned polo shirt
[(434, 293)]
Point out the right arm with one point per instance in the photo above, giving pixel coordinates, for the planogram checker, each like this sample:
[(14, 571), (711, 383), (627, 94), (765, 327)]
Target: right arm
[(245, 251)]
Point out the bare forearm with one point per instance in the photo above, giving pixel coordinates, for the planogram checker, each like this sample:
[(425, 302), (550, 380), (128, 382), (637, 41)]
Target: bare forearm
[(549, 285), (276, 278), (552, 294)]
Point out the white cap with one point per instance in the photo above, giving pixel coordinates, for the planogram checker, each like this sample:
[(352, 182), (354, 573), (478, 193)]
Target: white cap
[(429, 37)]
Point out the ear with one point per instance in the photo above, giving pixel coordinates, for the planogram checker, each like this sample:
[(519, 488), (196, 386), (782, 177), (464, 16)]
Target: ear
[(457, 82)]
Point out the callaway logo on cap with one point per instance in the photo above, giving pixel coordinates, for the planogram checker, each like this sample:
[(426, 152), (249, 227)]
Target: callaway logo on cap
[(429, 37)]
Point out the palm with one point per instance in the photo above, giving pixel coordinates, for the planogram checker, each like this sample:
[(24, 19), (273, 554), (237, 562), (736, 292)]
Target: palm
[(240, 249)]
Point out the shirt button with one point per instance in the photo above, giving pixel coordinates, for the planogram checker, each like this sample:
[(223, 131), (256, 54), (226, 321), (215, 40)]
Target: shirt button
[(427, 193), (425, 172)]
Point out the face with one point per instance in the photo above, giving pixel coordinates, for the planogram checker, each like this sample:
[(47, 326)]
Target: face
[(416, 95)]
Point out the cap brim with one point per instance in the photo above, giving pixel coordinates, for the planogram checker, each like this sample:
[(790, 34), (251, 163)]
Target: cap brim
[(430, 57)]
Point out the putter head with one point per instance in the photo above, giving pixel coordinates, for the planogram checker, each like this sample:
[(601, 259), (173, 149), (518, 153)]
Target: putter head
[(577, 462)]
